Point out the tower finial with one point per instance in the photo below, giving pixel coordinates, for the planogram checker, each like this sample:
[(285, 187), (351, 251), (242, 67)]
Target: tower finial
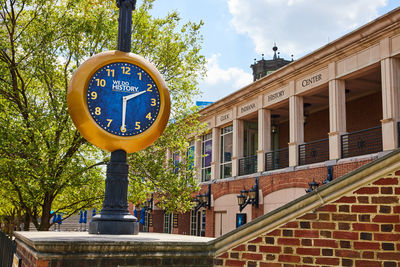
[(275, 48)]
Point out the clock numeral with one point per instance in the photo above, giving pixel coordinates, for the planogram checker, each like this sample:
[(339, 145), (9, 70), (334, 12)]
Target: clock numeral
[(140, 75), (137, 125), (109, 122), (126, 70), (149, 86), (101, 82), (153, 102), (94, 95), (110, 71), (148, 116), (97, 111), (123, 129)]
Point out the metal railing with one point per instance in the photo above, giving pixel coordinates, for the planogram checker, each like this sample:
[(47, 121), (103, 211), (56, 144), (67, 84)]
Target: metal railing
[(248, 165), (315, 151), (7, 250), (362, 142), (277, 159)]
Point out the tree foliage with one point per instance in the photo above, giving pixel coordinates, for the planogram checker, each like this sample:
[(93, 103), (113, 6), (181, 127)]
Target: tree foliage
[(44, 162)]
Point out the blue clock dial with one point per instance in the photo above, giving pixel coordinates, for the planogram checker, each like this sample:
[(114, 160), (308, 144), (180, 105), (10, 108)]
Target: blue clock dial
[(123, 99)]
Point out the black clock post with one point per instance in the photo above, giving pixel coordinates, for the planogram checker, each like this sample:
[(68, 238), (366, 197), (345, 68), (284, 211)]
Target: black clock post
[(115, 218)]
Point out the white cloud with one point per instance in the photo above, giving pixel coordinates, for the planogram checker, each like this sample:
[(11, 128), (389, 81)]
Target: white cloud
[(299, 26), (235, 76), (221, 82)]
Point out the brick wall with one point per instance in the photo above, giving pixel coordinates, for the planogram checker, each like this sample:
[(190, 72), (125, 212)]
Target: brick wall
[(364, 112), (361, 228), (28, 259), (158, 221), (281, 180), (268, 184), (274, 182), (184, 223)]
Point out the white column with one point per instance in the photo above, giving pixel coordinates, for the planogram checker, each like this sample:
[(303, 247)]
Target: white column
[(237, 145), (197, 157), (264, 137), (215, 154), (337, 116), (390, 72), (296, 128)]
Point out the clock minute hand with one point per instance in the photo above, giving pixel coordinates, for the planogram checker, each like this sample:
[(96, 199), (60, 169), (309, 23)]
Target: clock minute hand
[(134, 95), (123, 112)]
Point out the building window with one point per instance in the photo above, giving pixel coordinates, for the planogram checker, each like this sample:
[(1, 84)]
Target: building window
[(206, 151), (168, 223), (198, 223), (226, 152), (146, 222), (177, 159), (250, 139), (190, 154)]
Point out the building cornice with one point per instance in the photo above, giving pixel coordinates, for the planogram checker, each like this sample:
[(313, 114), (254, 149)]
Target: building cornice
[(351, 43)]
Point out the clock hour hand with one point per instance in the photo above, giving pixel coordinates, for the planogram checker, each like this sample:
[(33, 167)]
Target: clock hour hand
[(134, 95)]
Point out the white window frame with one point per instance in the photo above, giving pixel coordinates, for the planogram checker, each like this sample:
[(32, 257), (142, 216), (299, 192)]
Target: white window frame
[(205, 169), (224, 132)]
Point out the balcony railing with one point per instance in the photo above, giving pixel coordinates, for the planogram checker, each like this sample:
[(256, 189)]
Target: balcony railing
[(315, 151), (248, 165), (361, 142), (277, 159)]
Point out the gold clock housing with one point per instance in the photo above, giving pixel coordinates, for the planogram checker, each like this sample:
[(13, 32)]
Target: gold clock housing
[(83, 120)]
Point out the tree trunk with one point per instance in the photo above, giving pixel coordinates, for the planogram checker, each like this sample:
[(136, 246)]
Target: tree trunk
[(27, 221), (46, 209)]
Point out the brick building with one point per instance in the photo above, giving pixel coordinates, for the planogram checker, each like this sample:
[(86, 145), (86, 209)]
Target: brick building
[(316, 118)]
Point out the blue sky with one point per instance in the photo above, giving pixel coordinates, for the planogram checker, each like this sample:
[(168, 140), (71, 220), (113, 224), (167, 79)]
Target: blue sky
[(238, 31)]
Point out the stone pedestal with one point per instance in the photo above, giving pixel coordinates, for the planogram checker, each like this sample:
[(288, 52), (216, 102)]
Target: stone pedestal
[(72, 249)]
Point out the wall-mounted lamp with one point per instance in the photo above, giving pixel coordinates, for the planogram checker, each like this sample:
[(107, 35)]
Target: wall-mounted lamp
[(274, 122), (248, 197), (203, 200), (274, 128), (313, 185), (329, 176), (148, 205)]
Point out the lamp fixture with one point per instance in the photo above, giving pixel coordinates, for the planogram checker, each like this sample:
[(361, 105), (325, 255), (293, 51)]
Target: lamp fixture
[(313, 185), (148, 205), (274, 122), (248, 196), (203, 200), (329, 176)]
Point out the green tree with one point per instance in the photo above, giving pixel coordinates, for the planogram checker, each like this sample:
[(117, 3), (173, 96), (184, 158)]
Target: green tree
[(44, 162), (176, 54)]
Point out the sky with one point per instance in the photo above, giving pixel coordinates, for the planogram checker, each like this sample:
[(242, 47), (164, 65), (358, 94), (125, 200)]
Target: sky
[(236, 32)]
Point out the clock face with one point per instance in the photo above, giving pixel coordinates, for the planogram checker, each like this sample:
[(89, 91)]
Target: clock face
[(123, 99), (118, 101)]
